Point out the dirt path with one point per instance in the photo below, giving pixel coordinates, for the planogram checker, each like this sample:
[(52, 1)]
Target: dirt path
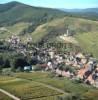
[(9, 94)]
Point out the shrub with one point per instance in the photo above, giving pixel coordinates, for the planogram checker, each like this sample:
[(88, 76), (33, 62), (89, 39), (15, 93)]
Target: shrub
[(7, 71)]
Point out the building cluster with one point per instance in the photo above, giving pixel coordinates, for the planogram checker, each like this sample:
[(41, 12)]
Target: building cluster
[(14, 40), (17, 45), (69, 64)]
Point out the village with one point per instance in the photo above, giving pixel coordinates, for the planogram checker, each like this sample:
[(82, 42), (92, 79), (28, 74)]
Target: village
[(73, 65)]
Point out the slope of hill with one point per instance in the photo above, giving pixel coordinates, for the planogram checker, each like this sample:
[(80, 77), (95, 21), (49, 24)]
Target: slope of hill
[(14, 12), (85, 32), (82, 29), (59, 26), (89, 42), (45, 25), (8, 6)]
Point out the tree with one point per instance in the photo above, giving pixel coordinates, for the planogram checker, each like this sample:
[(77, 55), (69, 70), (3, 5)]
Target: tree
[(20, 62), (1, 62), (6, 64)]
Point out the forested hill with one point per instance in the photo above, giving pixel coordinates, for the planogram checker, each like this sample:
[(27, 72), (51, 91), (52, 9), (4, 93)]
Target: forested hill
[(13, 12)]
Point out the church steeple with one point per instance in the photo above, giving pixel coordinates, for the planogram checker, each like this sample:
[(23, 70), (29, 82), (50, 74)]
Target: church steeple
[(67, 32)]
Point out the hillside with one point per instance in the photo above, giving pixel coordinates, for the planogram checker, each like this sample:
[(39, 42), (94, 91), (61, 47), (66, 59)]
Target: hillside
[(45, 25), (84, 31), (89, 42), (13, 12), (59, 26)]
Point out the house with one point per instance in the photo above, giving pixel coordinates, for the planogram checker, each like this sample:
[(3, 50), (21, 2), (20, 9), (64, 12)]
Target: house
[(28, 68)]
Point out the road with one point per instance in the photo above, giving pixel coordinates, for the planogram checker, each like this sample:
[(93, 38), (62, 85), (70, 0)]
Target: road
[(9, 94)]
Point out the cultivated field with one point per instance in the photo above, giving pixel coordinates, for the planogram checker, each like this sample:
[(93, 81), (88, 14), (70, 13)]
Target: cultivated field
[(43, 86), (69, 86), (27, 90)]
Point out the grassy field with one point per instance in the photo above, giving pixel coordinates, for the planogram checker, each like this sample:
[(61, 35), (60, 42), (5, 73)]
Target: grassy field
[(27, 90), (89, 42)]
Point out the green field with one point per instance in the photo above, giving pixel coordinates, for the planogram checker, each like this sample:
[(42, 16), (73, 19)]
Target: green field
[(32, 86), (27, 90), (67, 85)]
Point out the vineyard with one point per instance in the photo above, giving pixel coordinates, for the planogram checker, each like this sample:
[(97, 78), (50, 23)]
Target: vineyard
[(27, 90), (61, 83), (69, 86), (34, 86)]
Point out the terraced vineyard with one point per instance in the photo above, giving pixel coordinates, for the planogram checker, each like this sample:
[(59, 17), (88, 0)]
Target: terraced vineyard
[(27, 90)]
